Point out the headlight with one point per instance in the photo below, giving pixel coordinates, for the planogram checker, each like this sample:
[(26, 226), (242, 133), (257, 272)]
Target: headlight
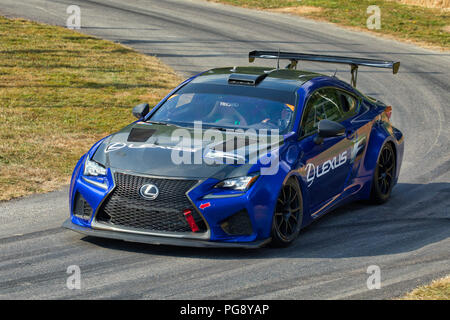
[(239, 184), (92, 168)]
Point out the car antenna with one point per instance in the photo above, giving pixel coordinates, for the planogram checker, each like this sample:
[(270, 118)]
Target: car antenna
[(334, 75)]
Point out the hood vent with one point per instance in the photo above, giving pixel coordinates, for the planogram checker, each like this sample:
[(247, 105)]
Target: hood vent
[(140, 134)]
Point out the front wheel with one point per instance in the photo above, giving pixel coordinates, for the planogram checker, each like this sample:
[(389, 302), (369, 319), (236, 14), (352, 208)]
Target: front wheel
[(288, 215), (384, 175)]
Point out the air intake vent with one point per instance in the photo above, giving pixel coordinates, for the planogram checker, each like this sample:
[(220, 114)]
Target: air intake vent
[(238, 224), (81, 208), (246, 79)]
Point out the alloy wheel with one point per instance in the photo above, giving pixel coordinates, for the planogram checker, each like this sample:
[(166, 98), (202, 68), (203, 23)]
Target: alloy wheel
[(288, 212)]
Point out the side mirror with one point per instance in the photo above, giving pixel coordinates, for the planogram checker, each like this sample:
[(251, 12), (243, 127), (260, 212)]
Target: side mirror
[(328, 129), (141, 110)]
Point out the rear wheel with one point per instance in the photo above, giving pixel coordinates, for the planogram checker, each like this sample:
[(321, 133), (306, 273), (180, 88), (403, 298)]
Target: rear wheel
[(384, 175), (288, 215)]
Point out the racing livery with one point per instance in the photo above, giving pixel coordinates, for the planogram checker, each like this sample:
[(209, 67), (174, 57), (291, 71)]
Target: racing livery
[(302, 143)]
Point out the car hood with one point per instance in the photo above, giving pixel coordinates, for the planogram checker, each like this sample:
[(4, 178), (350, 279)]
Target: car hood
[(156, 149)]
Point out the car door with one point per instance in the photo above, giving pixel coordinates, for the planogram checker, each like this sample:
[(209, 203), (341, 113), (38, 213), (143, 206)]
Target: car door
[(324, 166)]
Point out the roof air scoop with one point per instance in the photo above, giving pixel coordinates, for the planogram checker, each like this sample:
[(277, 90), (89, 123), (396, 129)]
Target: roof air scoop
[(246, 79)]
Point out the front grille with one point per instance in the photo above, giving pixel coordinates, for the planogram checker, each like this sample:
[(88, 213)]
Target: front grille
[(81, 207), (125, 207)]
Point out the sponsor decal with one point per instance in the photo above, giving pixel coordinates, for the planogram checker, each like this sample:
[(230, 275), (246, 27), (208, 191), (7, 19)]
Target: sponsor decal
[(313, 172), (119, 145), (115, 146), (358, 147)]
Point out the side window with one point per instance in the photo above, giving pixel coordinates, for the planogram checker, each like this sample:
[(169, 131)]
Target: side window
[(348, 104), (323, 104)]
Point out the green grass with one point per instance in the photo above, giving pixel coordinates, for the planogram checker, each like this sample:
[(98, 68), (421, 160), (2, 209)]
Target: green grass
[(419, 24), (60, 91)]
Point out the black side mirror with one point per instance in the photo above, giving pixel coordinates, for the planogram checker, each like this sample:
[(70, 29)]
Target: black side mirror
[(141, 110), (328, 129)]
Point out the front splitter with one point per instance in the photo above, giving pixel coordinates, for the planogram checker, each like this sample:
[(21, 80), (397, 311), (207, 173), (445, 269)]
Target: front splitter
[(159, 240)]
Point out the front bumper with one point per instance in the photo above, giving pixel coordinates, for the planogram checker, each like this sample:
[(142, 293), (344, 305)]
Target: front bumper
[(214, 206), (257, 203), (159, 240)]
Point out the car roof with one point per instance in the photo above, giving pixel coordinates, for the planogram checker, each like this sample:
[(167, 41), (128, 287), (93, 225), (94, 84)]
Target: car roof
[(279, 79)]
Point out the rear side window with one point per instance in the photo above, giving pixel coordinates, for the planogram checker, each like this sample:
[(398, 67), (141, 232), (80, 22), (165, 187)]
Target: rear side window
[(348, 103), (328, 103), (323, 104)]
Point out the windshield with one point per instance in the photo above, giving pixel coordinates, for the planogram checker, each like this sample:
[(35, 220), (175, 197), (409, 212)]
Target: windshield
[(225, 111)]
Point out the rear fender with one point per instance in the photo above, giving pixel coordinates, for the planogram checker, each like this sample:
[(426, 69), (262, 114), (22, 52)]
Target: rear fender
[(382, 133)]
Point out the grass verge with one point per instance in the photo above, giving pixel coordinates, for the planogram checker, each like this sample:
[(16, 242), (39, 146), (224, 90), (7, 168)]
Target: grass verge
[(437, 290), (423, 26), (60, 91)]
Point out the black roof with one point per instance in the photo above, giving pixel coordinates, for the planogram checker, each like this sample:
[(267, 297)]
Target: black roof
[(262, 77)]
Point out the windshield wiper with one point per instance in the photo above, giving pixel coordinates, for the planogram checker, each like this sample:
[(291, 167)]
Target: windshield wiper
[(165, 123), (219, 128), (158, 122)]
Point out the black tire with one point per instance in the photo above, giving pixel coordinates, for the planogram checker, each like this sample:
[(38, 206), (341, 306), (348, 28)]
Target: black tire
[(384, 175), (288, 215)]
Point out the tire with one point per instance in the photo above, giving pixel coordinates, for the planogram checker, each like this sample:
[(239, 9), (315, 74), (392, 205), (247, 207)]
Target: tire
[(384, 175), (288, 215)]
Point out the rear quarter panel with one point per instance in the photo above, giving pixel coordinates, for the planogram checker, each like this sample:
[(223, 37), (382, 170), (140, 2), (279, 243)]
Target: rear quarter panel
[(382, 132)]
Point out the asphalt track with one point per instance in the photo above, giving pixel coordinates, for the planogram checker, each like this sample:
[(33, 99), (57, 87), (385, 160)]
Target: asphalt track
[(408, 238)]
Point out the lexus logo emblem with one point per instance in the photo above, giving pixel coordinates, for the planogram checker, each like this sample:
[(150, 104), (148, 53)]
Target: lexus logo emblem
[(149, 191)]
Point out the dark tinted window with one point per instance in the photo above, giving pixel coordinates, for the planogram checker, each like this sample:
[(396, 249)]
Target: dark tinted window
[(323, 104), (260, 92), (348, 104), (226, 111)]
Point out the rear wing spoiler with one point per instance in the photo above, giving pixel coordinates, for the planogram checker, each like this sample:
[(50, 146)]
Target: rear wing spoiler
[(353, 62)]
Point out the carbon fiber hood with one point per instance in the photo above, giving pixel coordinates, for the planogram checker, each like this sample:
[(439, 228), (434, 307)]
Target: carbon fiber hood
[(157, 149)]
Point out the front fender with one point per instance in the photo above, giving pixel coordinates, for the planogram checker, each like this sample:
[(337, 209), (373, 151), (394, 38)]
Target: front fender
[(78, 168)]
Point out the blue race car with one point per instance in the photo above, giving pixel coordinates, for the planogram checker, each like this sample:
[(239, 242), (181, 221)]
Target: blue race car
[(239, 157)]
